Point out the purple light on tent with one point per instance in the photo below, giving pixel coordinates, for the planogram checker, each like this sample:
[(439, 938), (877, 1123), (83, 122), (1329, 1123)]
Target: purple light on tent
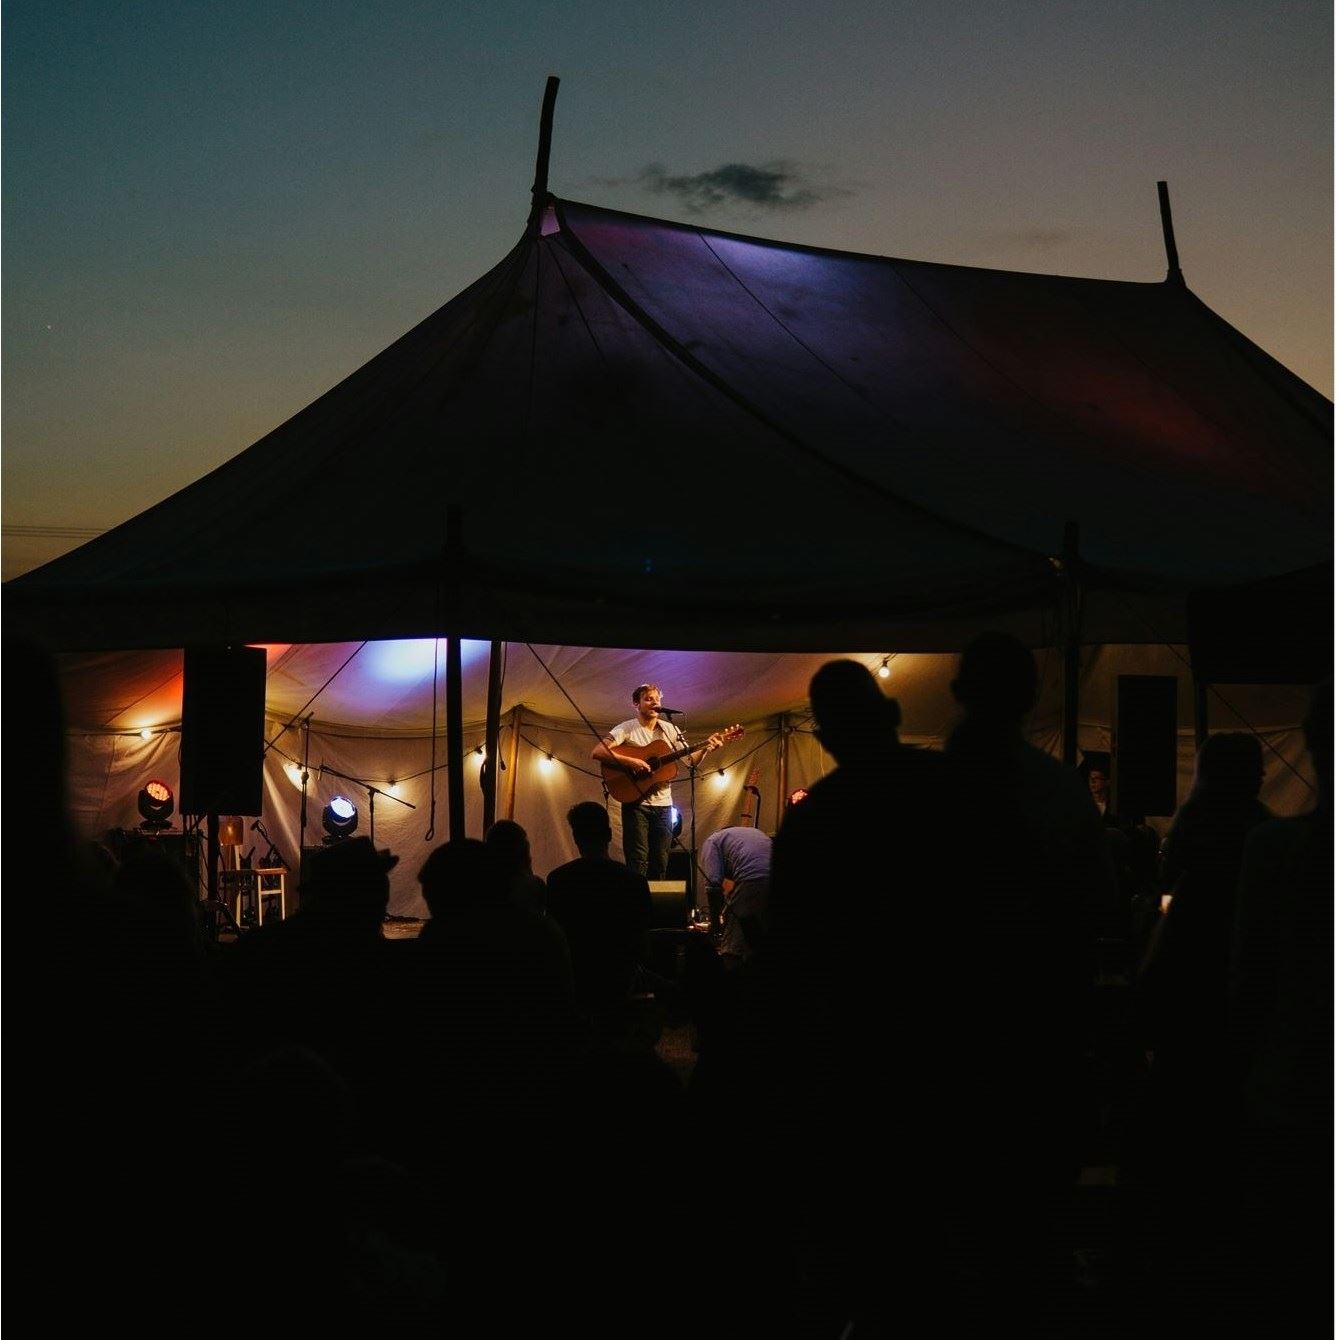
[(410, 660)]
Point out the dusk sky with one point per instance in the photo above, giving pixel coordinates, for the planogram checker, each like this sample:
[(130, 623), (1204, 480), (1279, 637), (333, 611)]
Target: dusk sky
[(215, 212)]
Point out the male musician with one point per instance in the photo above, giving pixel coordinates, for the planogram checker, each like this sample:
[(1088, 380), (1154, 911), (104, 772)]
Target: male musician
[(742, 856), (647, 825)]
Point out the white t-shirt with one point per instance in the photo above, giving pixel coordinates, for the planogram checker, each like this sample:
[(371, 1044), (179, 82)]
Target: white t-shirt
[(634, 732)]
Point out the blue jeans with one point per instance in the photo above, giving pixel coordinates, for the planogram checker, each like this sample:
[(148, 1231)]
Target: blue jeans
[(646, 839)]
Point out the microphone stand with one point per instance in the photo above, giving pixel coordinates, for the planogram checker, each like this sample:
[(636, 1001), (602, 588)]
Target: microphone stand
[(693, 821), (373, 793), (302, 810)]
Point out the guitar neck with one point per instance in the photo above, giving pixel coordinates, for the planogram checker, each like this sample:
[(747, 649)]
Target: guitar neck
[(681, 753)]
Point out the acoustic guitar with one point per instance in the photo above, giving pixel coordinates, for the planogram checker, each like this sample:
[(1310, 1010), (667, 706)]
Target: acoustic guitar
[(661, 756)]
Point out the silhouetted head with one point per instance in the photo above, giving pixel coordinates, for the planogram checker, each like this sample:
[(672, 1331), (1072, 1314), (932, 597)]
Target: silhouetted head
[(1319, 732), (456, 873), (349, 878), (163, 892), (509, 846), (852, 715), (590, 826), (1229, 768), (997, 680)]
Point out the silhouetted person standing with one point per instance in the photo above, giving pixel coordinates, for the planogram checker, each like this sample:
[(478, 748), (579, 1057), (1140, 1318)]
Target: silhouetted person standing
[(510, 848), (853, 962), (604, 908), (1185, 1125), (1187, 970), (1029, 874), (1282, 992), (325, 978)]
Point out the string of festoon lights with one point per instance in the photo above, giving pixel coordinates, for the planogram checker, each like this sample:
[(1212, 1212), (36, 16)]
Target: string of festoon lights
[(548, 764), (392, 786)]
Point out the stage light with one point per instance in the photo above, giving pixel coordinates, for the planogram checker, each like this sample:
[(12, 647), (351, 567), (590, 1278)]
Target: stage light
[(155, 805), (479, 749), (721, 778), (392, 788), (146, 734), (796, 796), (339, 818), (884, 668), (548, 763), (293, 771)]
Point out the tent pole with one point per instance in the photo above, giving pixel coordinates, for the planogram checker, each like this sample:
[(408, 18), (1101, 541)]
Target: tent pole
[(783, 748), (539, 192), (513, 750), (491, 735), (1169, 239), (453, 559), (1070, 620), (212, 857), (455, 744), (1201, 695)]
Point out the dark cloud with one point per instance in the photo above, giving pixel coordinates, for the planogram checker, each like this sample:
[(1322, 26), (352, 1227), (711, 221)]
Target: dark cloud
[(766, 186)]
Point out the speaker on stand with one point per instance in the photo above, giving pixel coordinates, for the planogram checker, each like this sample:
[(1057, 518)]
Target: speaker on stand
[(1144, 746), (222, 740), (222, 730)]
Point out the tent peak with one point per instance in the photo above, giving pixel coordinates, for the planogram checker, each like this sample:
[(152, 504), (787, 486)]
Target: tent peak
[(539, 191), (1169, 238)]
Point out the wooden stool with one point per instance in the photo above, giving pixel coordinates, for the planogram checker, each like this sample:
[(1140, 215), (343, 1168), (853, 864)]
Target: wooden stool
[(254, 887), (271, 882)]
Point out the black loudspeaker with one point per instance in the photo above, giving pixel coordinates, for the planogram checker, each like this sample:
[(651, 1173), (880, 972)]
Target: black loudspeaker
[(677, 865), (1144, 746), (222, 730), (669, 904)]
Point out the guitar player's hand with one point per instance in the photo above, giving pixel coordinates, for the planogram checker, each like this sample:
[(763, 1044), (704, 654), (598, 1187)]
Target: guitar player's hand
[(714, 742), (639, 767)]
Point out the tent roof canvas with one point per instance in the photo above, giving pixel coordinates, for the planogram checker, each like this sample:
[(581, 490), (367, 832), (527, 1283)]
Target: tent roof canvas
[(635, 432)]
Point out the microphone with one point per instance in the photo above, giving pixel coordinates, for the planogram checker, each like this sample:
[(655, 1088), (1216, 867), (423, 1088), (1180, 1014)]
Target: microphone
[(670, 711)]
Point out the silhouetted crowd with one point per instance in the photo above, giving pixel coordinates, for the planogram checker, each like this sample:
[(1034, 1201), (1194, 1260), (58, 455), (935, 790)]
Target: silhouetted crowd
[(907, 1058)]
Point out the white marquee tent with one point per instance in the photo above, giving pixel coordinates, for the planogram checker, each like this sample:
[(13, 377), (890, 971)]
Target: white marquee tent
[(876, 453)]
